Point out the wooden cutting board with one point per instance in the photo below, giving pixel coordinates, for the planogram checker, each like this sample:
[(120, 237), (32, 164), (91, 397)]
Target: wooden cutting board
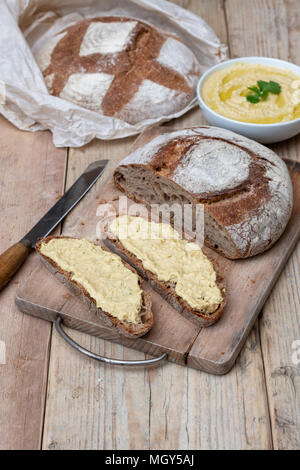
[(212, 349)]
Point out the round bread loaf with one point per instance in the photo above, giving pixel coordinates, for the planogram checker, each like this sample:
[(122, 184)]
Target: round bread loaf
[(245, 187), (120, 67)]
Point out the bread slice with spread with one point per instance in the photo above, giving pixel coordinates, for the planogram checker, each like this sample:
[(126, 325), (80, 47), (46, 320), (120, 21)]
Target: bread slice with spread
[(177, 269), (109, 286)]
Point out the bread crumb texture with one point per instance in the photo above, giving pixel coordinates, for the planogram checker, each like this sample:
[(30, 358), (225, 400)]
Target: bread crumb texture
[(113, 286), (173, 260)]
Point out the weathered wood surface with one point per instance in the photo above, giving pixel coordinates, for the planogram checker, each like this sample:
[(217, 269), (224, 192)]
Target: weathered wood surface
[(171, 407), (249, 283), (275, 32), (212, 349), (93, 406), (32, 176)]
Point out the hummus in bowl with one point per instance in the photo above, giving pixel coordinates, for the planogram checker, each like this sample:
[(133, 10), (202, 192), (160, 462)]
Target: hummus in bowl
[(254, 96), (226, 91)]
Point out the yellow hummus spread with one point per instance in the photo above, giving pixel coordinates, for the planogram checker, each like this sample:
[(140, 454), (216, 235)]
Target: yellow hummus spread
[(113, 286), (225, 92), (172, 259)]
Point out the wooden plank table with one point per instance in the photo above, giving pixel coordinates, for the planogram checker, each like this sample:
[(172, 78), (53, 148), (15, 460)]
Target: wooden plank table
[(53, 398)]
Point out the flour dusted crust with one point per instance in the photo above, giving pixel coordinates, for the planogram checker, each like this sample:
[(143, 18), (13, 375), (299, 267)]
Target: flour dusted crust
[(245, 187), (120, 67)]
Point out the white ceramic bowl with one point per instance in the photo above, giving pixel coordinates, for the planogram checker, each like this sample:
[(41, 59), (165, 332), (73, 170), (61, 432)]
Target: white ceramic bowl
[(264, 133)]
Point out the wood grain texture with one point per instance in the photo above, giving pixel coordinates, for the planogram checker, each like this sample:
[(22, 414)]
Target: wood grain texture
[(254, 278), (99, 407), (257, 28), (32, 174), (173, 406), (93, 406), (199, 411), (214, 349), (275, 32)]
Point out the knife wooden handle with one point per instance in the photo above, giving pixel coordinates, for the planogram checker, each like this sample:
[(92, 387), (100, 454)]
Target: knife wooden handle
[(12, 259)]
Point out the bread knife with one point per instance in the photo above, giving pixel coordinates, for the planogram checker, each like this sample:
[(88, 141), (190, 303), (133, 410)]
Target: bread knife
[(14, 257)]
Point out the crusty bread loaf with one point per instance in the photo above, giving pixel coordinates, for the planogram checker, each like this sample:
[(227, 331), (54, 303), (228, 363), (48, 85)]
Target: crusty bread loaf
[(245, 187), (120, 67), (125, 328), (167, 289)]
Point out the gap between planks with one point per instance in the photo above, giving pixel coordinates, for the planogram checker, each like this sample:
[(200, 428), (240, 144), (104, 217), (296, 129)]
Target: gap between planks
[(59, 229), (275, 33)]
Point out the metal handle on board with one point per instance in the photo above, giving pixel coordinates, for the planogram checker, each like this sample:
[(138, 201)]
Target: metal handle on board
[(144, 363)]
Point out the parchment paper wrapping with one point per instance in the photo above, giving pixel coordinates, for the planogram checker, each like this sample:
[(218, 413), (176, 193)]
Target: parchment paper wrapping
[(25, 25)]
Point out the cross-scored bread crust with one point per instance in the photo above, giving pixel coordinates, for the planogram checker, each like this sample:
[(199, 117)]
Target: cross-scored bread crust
[(139, 60), (128, 329)]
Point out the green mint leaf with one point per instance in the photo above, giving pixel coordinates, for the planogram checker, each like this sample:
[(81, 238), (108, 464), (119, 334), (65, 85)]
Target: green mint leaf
[(270, 86), (253, 98), (262, 91), (274, 87), (262, 85)]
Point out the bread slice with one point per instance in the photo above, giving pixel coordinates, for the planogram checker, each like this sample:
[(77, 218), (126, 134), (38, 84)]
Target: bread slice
[(167, 289), (125, 328)]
